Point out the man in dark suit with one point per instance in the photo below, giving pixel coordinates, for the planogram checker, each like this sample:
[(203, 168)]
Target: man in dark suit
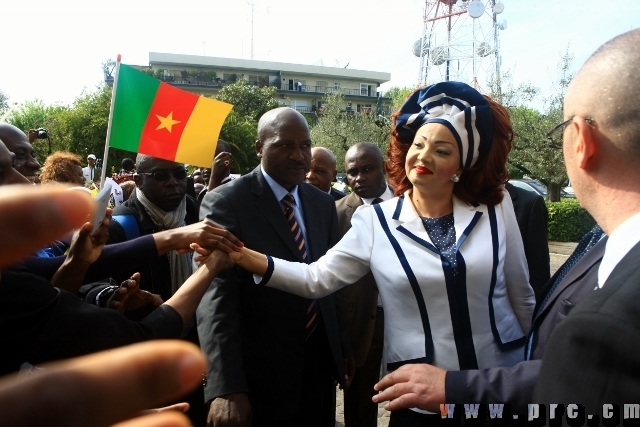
[(531, 214), (591, 358), (323, 171), (269, 359), (573, 282), (364, 166)]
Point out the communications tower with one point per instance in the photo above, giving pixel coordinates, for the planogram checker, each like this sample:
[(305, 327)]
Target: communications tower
[(460, 41)]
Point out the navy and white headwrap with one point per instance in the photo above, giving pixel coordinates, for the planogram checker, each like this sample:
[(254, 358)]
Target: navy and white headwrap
[(459, 107)]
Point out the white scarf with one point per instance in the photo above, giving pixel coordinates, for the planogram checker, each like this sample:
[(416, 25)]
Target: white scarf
[(180, 264)]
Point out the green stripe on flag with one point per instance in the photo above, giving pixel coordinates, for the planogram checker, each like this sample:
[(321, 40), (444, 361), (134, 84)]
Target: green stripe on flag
[(135, 94)]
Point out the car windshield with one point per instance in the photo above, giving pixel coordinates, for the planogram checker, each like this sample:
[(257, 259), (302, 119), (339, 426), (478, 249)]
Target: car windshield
[(538, 186)]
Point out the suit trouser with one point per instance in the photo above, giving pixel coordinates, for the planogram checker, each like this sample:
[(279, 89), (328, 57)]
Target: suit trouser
[(359, 410), (317, 382)]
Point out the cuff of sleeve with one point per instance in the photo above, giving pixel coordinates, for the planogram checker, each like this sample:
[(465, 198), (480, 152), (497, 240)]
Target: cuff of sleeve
[(263, 280)]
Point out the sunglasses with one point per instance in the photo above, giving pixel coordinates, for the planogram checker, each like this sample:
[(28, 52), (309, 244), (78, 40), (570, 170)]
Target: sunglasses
[(178, 174)]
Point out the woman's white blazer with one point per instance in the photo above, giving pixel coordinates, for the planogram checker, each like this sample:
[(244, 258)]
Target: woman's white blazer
[(475, 319)]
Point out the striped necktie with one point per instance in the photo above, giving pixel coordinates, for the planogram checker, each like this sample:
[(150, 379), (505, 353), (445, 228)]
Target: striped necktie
[(313, 318)]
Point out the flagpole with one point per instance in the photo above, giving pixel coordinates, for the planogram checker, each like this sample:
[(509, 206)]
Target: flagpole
[(113, 103)]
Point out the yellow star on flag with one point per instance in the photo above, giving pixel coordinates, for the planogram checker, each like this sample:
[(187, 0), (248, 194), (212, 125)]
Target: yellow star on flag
[(166, 122)]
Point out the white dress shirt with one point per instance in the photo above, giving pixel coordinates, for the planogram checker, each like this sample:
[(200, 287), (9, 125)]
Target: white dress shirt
[(620, 242)]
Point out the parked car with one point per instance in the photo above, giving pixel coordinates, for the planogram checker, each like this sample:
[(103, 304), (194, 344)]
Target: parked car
[(340, 183), (537, 187)]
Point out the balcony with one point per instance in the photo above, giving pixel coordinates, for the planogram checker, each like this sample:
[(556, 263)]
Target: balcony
[(315, 90)]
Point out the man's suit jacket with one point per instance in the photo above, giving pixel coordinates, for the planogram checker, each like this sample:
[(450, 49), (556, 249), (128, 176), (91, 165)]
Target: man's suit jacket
[(532, 217), (337, 195), (514, 385), (253, 336), (592, 357), (361, 298)]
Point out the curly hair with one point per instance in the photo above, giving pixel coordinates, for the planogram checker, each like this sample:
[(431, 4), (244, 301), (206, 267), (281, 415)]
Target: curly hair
[(60, 167), (482, 183)]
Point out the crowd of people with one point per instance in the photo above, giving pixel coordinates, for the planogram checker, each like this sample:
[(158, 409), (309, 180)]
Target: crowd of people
[(428, 284)]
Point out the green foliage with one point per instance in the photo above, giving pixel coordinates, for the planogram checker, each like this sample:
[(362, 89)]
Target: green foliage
[(337, 130), (241, 133), (4, 102), (85, 126), (568, 221), (249, 101), (35, 114), (398, 95), (532, 154)]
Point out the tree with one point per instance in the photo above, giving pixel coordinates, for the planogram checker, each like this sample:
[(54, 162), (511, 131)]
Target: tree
[(35, 114), (398, 95), (248, 100), (338, 130), (532, 154), (241, 133), (4, 103), (85, 127)]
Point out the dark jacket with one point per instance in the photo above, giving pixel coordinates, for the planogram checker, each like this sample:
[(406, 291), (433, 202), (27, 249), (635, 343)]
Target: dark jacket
[(515, 385), (155, 276)]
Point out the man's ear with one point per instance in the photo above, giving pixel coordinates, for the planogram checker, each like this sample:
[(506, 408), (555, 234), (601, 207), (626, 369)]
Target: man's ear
[(585, 144), (259, 146), (138, 180)]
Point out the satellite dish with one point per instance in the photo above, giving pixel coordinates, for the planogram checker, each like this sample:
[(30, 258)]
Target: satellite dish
[(439, 55), (484, 49), (475, 8), (498, 8), (502, 24), (416, 49)]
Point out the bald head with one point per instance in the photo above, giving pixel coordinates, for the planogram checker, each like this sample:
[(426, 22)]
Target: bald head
[(361, 148), (601, 143), (16, 141), (607, 89), (284, 146), (323, 168)]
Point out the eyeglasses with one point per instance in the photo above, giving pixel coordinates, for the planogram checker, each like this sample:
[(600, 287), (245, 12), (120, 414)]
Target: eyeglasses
[(555, 135), (178, 174)]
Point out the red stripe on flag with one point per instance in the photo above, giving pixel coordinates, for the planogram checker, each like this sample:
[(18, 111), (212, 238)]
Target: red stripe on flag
[(166, 121)]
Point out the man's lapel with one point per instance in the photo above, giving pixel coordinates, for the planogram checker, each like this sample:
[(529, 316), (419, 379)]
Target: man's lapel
[(575, 274), (312, 218), (268, 206), (353, 202)]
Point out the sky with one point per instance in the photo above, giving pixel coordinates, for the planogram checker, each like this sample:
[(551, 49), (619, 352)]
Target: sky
[(53, 50)]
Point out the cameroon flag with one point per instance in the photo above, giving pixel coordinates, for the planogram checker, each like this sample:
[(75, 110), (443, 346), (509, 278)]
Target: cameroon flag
[(154, 118)]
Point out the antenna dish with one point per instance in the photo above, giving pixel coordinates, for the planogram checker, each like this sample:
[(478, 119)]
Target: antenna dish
[(502, 24), (484, 49), (498, 8), (475, 9), (416, 49), (439, 55)]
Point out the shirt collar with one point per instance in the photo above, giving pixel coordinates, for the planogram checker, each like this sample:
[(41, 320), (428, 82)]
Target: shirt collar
[(384, 196), (623, 238), (278, 190)]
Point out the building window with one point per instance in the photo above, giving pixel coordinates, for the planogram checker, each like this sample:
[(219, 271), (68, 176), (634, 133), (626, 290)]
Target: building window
[(364, 89), (253, 80), (364, 108), (336, 85)]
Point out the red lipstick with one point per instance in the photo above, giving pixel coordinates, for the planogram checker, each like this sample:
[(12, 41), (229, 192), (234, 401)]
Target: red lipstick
[(421, 170)]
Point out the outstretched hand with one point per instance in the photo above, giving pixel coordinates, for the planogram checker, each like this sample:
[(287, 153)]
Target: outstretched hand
[(87, 244), (129, 296), (412, 386), (205, 233)]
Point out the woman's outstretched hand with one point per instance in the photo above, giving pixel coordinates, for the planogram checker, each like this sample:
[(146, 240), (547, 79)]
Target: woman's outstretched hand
[(252, 261)]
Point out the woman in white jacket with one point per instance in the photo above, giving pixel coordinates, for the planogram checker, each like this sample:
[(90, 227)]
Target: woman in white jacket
[(446, 253)]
